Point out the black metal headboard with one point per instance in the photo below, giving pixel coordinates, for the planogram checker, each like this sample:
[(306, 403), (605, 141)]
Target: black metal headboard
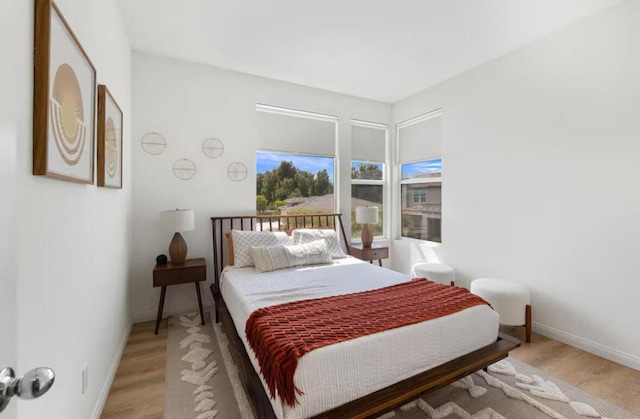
[(222, 225)]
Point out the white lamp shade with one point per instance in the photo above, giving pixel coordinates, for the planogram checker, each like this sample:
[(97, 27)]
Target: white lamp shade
[(177, 220), (367, 215)]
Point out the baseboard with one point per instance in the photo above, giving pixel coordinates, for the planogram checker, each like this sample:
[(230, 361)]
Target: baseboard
[(97, 411), (611, 354), (146, 316)]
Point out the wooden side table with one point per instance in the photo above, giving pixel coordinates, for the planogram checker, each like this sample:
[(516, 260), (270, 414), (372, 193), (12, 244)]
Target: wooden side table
[(193, 270), (369, 253)]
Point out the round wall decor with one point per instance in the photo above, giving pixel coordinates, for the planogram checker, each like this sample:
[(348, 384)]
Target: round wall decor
[(237, 171), (153, 143), (184, 169), (212, 148)]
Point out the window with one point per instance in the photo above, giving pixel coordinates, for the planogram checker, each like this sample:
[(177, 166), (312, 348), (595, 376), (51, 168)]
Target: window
[(420, 177), (368, 150), (367, 189), (420, 195), (294, 184), (297, 177), (421, 200)]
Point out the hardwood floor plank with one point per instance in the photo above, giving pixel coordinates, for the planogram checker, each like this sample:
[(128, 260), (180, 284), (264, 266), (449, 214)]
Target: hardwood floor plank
[(608, 380), (138, 388), (137, 391)]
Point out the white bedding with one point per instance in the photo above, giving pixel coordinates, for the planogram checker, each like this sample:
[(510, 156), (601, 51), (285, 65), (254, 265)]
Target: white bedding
[(339, 373)]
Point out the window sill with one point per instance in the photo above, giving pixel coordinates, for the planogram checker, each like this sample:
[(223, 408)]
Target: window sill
[(420, 242)]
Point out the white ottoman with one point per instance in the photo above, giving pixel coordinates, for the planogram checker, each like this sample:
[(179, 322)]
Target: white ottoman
[(437, 272), (511, 300)]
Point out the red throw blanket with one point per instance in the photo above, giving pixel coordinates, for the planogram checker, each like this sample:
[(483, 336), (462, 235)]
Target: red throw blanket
[(281, 334)]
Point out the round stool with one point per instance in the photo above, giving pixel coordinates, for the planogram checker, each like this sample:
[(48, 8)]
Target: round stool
[(511, 300), (437, 272)]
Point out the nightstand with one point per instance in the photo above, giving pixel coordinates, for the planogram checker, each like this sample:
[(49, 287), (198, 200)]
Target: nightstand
[(369, 253), (193, 270)]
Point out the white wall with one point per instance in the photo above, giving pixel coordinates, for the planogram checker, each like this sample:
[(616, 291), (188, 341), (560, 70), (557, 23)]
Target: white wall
[(188, 103), (73, 241), (8, 144), (540, 166)]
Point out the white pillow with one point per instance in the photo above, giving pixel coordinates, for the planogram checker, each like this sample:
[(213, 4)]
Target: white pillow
[(243, 241), (271, 258), (307, 235), (313, 253)]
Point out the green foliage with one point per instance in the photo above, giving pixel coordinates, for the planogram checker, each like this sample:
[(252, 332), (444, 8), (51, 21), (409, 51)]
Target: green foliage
[(261, 203), (286, 181), (369, 171), (278, 204), (323, 185)]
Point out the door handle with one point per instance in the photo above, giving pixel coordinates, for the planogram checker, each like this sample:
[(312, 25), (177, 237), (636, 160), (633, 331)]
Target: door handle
[(33, 385)]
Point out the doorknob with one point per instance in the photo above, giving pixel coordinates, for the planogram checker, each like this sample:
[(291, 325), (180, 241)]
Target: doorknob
[(33, 385)]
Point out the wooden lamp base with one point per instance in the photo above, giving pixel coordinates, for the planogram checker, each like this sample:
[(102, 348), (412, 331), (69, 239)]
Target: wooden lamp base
[(367, 236), (178, 249)]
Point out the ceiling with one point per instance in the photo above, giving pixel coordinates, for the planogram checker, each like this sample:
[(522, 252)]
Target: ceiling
[(384, 50)]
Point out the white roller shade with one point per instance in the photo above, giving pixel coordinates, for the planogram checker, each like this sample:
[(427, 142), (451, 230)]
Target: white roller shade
[(420, 141), (368, 144), (296, 134)]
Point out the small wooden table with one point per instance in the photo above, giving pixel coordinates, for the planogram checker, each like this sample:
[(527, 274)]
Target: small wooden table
[(369, 253), (193, 270)]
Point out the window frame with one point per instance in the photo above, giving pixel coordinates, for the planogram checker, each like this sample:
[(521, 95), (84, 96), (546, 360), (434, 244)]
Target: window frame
[(421, 194), (436, 113), (279, 110), (384, 182)]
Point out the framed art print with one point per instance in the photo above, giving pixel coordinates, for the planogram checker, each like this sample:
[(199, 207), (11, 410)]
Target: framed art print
[(109, 140), (64, 98)]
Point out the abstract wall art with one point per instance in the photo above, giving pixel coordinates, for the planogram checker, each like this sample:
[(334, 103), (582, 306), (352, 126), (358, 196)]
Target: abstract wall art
[(109, 140), (64, 99)]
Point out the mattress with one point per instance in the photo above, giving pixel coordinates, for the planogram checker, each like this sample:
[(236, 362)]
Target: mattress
[(339, 373)]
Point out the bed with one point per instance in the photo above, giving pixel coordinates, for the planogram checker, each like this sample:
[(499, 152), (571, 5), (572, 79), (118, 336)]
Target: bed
[(363, 377)]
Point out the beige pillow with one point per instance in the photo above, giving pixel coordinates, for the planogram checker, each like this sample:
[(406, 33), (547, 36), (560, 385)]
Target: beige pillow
[(271, 258)]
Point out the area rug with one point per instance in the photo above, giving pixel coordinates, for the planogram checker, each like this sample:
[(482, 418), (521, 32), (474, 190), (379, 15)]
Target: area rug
[(202, 383), (199, 364)]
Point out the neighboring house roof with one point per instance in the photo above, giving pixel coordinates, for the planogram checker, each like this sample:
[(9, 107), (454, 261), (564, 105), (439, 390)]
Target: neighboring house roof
[(317, 203), (296, 200)]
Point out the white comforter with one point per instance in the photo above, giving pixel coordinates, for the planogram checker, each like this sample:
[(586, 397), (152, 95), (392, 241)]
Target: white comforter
[(336, 374)]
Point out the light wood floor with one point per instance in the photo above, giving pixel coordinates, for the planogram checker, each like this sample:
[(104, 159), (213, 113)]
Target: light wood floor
[(138, 389)]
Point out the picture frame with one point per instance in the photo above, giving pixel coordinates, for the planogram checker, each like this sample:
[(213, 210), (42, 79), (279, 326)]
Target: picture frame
[(64, 100), (110, 123)]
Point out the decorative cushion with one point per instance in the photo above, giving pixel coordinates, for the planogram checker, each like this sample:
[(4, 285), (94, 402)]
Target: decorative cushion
[(271, 258), (243, 241), (307, 235), (313, 253)]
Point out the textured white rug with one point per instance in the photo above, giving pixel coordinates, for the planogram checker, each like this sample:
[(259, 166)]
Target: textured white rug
[(203, 383), (199, 367)]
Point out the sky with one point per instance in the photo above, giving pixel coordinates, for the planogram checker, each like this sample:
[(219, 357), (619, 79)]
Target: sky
[(266, 161), (412, 170)]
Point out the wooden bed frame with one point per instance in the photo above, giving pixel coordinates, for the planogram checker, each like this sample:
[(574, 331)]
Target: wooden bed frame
[(371, 405)]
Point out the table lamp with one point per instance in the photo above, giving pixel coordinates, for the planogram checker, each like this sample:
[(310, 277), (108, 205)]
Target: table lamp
[(366, 216), (176, 221)]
